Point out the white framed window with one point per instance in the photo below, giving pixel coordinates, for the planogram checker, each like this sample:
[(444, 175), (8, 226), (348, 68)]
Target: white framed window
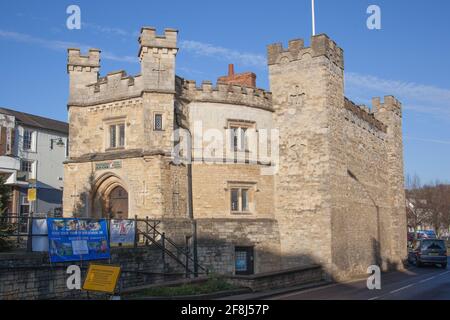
[(24, 205), (28, 140), (26, 165)]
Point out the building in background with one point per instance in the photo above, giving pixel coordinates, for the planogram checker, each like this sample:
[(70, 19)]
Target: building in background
[(32, 152)]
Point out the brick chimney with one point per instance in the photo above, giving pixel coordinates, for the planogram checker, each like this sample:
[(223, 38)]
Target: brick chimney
[(246, 79)]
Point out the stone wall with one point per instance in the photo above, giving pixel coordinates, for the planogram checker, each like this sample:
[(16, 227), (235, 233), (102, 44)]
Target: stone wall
[(279, 279), (155, 187), (339, 191), (31, 276), (301, 80), (217, 239), (212, 187)]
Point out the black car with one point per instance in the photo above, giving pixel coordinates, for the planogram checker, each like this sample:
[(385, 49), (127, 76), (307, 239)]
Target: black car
[(428, 251)]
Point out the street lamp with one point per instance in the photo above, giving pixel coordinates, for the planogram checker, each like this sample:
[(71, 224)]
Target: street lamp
[(59, 142)]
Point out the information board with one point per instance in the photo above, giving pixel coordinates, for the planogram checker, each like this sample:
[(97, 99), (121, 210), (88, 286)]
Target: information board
[(101, 278), (71, 239)]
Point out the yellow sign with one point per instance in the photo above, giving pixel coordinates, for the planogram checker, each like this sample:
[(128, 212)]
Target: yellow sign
[(101, 278), (31, 194)]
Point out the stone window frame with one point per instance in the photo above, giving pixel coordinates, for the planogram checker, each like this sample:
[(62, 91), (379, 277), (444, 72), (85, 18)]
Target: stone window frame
[(163, 120), (251, 186), (117, 122), (241, 124)]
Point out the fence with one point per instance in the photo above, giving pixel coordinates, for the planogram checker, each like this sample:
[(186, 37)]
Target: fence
[(20, 230)]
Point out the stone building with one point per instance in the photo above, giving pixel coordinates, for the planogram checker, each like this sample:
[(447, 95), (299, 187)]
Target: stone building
[(278, 179)]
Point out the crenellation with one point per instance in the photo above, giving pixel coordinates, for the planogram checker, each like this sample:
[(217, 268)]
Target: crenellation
[(364, 114), (88, 63), (226, 93), (322, 136), (321, 45), (149, 38)]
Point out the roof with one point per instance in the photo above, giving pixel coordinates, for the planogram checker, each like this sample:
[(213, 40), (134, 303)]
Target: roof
[(37, 121)]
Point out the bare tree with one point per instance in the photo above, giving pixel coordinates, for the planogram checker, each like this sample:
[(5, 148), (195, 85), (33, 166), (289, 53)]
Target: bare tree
[(428, 204)]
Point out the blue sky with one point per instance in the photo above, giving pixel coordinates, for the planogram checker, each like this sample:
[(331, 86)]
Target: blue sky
[(409, 57)]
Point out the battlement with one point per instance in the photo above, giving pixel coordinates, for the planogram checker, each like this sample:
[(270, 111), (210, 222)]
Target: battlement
[(321, 45), (78, 62), (226, 93), (390, 104), (363, 113), (149, 39)]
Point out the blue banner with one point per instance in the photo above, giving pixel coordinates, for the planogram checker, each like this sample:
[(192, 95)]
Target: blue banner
[(71, 239)]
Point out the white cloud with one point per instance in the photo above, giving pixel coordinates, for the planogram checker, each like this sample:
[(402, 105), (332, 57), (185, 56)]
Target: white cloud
[(428, 140), (195, 48), (225, 54), (415, 97), (60, 45), (108, 30)]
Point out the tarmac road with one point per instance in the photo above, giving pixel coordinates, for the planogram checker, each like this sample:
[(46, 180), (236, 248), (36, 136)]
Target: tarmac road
[(426, 283)]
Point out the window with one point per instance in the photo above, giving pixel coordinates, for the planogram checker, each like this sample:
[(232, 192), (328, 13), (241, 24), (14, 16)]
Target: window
[(239, 139), (241, 134), (234, 199), (244, 260), (240, 199), (26, 165), (27, 139), (121, 135), (117, 136), (24, 205), (244, 197), (158, 122)]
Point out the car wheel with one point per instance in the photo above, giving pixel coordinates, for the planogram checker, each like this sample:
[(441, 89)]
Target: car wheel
[(444, 266), (418, 263)]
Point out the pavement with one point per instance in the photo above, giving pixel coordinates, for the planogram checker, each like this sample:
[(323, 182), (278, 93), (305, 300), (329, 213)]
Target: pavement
[(426, 283)]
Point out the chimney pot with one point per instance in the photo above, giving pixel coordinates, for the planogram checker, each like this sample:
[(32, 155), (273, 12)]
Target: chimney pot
[(231, 70)]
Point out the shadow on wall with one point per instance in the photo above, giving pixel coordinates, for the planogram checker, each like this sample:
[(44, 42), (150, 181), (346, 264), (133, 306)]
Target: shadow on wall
[(82, 200), (384, 264)]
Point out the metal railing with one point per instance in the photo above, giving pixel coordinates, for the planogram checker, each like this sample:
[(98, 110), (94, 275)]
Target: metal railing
[(147, 233)]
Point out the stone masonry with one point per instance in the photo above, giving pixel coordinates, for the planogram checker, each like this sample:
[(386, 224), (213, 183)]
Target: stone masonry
[(335, 199)]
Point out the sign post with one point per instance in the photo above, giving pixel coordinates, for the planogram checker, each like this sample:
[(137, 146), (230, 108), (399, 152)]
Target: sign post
[(102, 278)]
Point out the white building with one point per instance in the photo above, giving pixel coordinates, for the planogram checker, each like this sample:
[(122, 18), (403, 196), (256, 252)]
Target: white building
[(32, 152)]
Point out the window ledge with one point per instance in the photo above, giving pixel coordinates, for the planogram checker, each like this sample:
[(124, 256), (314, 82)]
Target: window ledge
[(242, 213), (115, 149)]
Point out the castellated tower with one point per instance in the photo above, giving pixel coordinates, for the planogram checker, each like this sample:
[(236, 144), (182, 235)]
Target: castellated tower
[(304, 83), (390, 113), (121, 135), (83, 70), (157, 55), (338, 195)]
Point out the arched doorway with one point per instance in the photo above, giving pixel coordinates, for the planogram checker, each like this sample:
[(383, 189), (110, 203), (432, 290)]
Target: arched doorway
[(118, 203), (110, 198)]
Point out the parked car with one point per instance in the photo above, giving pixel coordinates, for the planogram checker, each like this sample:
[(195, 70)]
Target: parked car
[(428, 251), (426, 234)]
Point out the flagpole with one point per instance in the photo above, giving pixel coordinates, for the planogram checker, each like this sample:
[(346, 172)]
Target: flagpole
[(313, 18)]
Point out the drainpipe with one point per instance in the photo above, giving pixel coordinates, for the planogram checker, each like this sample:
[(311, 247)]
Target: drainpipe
[(190, 197)]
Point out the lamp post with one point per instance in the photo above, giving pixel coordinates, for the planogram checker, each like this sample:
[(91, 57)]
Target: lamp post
[(59, 142)]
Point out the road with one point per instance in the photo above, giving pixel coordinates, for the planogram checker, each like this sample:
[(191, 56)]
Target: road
[(427, 283)]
